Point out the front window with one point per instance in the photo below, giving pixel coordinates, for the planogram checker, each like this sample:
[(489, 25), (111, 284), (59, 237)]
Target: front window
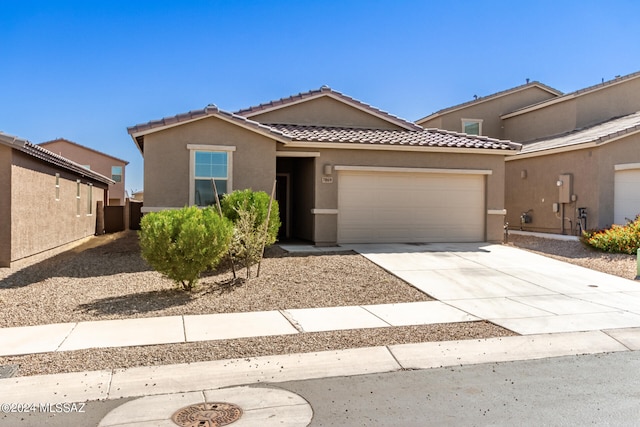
[(210, 165), (116, 173), (472, 126)]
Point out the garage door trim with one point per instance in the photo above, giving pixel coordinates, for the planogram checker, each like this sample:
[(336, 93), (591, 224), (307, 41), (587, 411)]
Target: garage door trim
[(413, 170)]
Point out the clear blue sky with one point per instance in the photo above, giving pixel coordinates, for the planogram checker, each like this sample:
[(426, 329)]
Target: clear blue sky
[(85, 70)]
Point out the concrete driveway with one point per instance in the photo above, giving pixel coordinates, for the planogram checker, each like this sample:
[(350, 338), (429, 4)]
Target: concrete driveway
[(519, 290)]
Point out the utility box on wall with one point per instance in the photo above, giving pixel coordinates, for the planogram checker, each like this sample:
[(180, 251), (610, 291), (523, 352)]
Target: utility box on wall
[(564, 186)]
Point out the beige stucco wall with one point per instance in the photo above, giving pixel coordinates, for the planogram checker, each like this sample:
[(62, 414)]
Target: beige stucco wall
[(576, 112), (592, 171), (97, 162), (488, 111), (5, 206), (166, 160), (39, 222), (325, 226), (324, 111)]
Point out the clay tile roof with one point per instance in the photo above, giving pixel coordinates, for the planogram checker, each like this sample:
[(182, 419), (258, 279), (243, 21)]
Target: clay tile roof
[(492, 96), (599, 133), (47, 156), (326, 90), (209, 110), (423, 138)]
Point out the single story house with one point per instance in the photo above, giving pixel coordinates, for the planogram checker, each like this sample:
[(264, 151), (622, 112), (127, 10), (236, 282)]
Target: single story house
[(579, 166), (104, 164), (345, 171), (46, 200)]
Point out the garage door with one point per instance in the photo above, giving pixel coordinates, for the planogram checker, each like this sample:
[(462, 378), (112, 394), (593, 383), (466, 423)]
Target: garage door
[(626, 200), (410, 207)]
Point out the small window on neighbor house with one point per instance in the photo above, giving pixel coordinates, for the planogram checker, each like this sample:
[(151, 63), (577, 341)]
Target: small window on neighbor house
[(78, 198), (57, 186), (89, 199), (116, 173), (472, 126)]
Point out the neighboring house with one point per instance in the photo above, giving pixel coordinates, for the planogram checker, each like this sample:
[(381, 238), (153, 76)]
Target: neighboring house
[(97, 161), (580, 161), (138, 196), (346, 172), (482, 116), (46, 200)]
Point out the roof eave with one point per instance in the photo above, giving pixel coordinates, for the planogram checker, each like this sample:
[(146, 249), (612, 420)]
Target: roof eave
[(488, 98)]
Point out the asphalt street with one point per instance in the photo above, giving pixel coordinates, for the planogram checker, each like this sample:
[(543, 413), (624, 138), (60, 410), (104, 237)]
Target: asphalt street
[(602, 389), (599, 389)]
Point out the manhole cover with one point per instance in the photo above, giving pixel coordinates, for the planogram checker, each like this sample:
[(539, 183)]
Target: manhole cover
[(207, 415)]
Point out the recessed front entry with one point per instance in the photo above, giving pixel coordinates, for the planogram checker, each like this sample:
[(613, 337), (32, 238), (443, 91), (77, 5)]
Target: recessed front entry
[(383, 207)]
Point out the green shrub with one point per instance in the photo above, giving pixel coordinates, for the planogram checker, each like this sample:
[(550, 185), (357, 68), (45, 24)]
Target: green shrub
[(618, 238), (248, 211), (257, 201), (183, 243)]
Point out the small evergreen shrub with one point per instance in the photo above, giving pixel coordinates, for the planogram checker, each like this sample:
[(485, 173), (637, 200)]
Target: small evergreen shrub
[(617, 239), (258, 201), (248, 211), (183, 243)]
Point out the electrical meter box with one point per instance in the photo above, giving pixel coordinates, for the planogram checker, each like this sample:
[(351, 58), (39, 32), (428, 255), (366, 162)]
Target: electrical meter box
[(564, 186)]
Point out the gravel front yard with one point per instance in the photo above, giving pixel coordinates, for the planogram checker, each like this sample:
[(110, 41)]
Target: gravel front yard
[(107, 279)]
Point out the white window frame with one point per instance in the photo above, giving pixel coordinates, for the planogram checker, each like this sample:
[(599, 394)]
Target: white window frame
[(121, 174), (89, 199), (77, 198), (193, 148), (57, 187), (472, 121)]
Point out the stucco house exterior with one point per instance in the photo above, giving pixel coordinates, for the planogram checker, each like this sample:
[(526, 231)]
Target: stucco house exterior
[(345, 171), (580, 160), (46, 200), (104, 164)]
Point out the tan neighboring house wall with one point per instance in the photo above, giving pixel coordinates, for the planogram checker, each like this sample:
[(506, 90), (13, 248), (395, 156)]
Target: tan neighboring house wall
[(97, 161), (36, 215), (267, 144), (585, 134), (489, 109), (576, 110), (6, 157), (592, 171)]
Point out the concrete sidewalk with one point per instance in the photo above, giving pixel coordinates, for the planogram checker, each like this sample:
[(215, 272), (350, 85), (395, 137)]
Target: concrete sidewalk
[(162, 390), (209, 327), (560, 310)]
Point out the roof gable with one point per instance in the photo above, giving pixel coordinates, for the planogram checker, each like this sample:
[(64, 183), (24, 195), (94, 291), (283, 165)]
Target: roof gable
[(75, 144), (573, 95), (261, 111), (514, 90), (47, 156), (138, 131)]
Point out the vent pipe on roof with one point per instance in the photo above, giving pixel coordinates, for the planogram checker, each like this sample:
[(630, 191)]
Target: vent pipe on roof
[(527, 79), (475, 96)]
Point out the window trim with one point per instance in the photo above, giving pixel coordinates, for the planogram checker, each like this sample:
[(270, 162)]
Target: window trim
[(77, 198), (472, 121), (121, 174), (57, 187), (193, 148), (89, 199)]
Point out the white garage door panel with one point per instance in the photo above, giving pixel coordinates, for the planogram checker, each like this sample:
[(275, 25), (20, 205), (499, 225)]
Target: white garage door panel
[(410, 207), (626, 202)]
